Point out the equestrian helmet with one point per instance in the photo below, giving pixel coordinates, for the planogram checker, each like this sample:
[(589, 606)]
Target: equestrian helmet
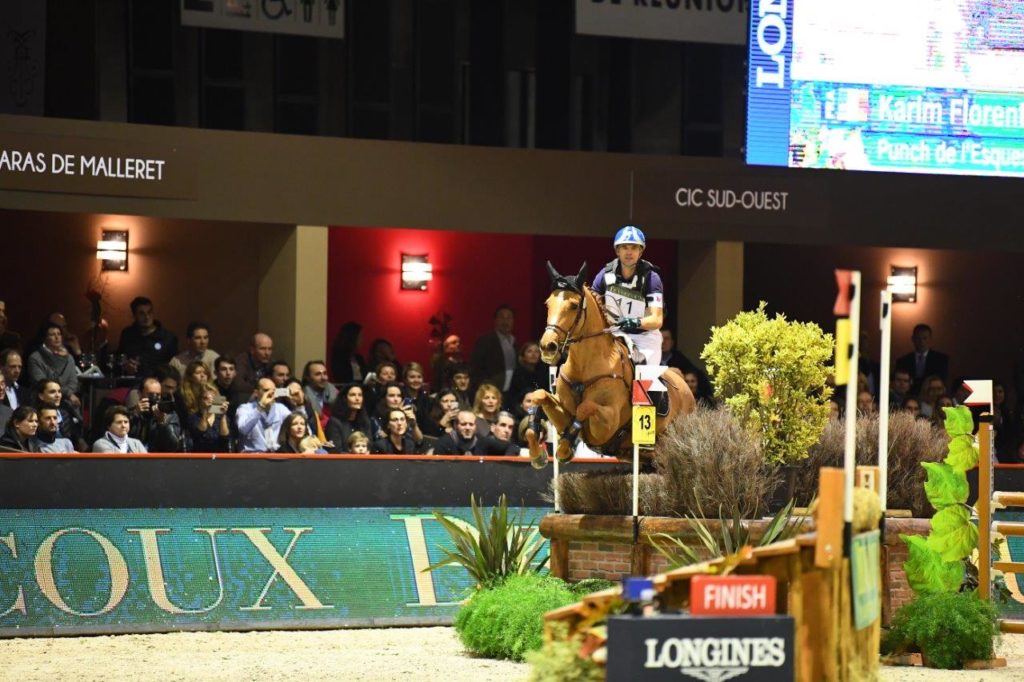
[(630, 234)]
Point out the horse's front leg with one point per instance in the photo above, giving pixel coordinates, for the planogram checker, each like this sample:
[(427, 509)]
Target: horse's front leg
[(560, 418), (602, 420)]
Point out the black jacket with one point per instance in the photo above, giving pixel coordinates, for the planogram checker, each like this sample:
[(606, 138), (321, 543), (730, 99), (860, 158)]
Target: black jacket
[(152, 349)]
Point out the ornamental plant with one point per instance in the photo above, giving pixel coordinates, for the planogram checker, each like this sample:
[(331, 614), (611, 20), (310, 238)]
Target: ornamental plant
[(948, 628), (772, 374), (936, 563)]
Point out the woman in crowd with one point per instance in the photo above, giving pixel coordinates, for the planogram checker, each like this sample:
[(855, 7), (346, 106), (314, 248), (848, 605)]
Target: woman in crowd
[(69, 419), (347, 365), (207, 427), (938, 417), (912, 406), (348, 415), (460, 384), (294, 430), (486, 406), (381, 350), (932, 388), (398, 439), (20, 433), (53, 361), (358, 443), (383, 374), (196, 382), (394, 399), (414, 389), (442, 415), (530, 373), (116, 438)]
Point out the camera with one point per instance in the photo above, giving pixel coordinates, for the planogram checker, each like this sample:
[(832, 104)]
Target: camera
[(154, 400), (280, 392), (407, 402)]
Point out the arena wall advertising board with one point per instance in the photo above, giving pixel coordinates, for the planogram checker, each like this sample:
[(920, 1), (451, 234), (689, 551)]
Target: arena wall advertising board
[(79, 571), (927, 86)]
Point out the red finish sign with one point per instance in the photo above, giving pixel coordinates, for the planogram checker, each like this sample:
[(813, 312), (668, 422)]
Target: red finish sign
[(732, 595)]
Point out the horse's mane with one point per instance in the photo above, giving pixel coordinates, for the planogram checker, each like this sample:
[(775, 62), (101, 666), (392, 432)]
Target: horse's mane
[(600, 306)]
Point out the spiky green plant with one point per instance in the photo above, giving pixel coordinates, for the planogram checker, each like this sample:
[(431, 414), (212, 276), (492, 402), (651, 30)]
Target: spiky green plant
[(494, 549)]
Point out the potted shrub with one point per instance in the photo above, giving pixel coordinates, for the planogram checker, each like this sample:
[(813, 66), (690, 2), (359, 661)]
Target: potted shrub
[(947, 628)]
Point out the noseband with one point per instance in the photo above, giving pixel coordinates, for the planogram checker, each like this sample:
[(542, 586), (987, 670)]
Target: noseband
[(579, 320)]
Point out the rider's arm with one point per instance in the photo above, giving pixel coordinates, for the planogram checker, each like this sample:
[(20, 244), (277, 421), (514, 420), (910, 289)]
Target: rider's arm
[(653, 319), (655, 300)]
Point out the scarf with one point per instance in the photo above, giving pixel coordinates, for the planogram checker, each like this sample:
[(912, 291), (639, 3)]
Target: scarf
[(120, 441)]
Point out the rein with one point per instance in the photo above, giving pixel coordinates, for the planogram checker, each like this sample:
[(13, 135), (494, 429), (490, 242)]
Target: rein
[(567, 338)]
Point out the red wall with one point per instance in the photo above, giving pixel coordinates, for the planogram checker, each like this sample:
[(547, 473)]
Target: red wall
[(473, 273)]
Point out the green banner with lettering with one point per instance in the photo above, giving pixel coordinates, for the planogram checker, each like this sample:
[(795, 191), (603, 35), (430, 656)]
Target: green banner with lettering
[(136, 570)]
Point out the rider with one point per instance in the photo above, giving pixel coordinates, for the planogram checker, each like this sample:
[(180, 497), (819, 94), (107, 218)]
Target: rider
[(633, 294)]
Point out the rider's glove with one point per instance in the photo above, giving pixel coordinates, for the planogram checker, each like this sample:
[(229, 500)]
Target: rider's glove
[(630, 325)]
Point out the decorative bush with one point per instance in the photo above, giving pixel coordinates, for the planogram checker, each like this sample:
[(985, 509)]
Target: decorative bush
[(610, 492), (559, 661), (911, 441), (948, 628), (590, 585), (772, 374), (507, 620), (712, 466)]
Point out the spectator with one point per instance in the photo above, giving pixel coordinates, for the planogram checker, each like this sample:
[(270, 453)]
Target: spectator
[(347, 365), (530, 373), (20, 433), (253, 365), (899, 387), (461, 382), (299, 402), (209, 429), (913, 406), (441, 419), (259, 420), (358, 444), (5, 411), (16, 393), (1005, 425), (486, 406), (294, 430), (398, 440), (865, 403), (444, 361), (499, 441), (464, 439), (373, 386), (938, 415), (494, 356), (199, 350), (923, 362), (932, 388), (415, 392), (53, 361), (381, 350), (280, 373), (320, 392), (701, 388), (116, 438), (835, 410), (146, 343), (224, 381), (48, 433), (69, 418), (394, 399), (348, 416), (197, 381), (8, 339), (672, 357), (155, 419)]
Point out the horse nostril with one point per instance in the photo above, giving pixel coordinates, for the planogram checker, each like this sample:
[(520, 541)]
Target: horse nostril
[(550, 347)]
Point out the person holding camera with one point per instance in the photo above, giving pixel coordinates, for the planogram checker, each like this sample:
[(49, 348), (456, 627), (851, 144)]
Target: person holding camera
[(208, 427), (399, 439), (259, 420), (155, 421), (442, 415)]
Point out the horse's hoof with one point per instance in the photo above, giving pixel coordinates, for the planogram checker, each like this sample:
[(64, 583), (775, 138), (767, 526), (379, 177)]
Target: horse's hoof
[(564, 455), (541, 460)]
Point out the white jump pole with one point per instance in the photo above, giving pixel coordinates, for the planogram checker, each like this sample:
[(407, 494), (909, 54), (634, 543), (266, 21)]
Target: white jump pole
[(553, 440), (885, 359), (850, 450)]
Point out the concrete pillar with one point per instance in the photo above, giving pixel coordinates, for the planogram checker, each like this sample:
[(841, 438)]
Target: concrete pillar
[(710, 291), (293, 293)]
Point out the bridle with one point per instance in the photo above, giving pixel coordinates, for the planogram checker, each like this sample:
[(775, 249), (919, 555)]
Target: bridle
[(581, 321)]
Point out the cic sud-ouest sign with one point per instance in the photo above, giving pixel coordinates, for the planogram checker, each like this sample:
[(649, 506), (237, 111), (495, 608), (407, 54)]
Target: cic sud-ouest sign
[(149, 569)]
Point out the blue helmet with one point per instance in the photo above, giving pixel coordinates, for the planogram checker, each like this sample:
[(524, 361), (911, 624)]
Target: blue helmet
[(630, 234)]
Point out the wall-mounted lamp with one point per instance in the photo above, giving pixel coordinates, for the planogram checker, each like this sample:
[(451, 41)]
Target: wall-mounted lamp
[(416, 272), (903, 284), (113, 250)]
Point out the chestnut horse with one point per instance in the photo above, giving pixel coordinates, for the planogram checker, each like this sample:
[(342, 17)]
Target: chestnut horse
[(593, 394)]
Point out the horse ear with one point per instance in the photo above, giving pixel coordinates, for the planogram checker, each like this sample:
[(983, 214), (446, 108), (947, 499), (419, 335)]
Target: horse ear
[(581, 278), (552, 272)]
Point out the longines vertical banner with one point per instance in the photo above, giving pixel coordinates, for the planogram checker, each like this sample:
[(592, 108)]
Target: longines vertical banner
[(320, 18), (698, 21), (152, 570), (22, 56)]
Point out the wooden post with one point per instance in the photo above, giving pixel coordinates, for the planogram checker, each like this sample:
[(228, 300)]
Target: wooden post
[(985, 506)]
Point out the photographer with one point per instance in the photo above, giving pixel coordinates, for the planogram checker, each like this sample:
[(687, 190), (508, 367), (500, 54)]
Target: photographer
[(154, 420), (208, 427), (260, 419), (442, 415)]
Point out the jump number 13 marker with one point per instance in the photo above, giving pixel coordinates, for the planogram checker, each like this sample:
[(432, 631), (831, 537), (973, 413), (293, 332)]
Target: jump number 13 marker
[(643, 424)]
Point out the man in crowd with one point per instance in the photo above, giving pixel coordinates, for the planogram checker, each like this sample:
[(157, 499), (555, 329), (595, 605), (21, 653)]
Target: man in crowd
[(254, 364), (48, 433), (494, 356), (154, 420), (47, 393), (16, 394), (446, 360), (280, 373), (319, 390), (146, 343), (499, 442), (5, 412), (8, 339), (463, 440), (924, 361), (899, 387), (259, 420), (224, 381), (198, 349)]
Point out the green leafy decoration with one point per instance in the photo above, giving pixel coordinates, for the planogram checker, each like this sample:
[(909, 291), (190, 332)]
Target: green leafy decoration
[(963, 456), (945, 485), (953, 535), (926, 572), (959, 421)]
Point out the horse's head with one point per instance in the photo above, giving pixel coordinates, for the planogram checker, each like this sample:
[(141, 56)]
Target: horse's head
[(566, 312)]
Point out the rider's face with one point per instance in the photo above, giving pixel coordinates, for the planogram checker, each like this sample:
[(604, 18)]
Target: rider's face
[(629, 254)]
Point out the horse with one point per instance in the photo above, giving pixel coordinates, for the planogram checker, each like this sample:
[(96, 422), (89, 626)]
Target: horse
[(592, 399)]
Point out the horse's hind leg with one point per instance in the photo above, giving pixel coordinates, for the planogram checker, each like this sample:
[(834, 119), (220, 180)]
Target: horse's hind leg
[(560, 419)]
